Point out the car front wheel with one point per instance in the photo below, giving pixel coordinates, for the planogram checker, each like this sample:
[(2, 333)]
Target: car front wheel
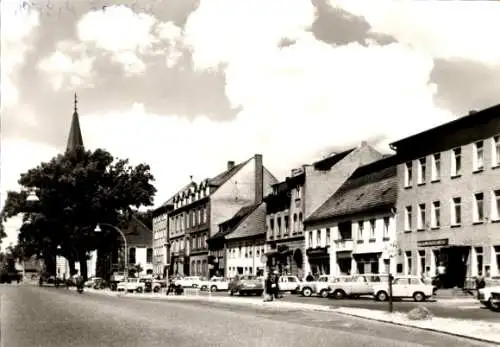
[(324, 293), (339, 294), (213, 288), (382, 296), (419, 296), (307, 292), (139, 290)]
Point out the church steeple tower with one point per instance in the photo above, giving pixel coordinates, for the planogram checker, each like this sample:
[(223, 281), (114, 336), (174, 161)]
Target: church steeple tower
[(75, 138)]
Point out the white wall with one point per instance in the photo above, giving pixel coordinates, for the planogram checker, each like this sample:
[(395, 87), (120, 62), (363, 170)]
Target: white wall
[(235, 258)]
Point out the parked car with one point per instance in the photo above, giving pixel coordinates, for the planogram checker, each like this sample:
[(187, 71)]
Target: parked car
[(350, 286), (215, 284), (247, 285), (95, 282), (316, 287), (484, 295), (404, 287), (116, 278), (189, 281), (495, 299), (151, 285), (132, 285), (289, 284)]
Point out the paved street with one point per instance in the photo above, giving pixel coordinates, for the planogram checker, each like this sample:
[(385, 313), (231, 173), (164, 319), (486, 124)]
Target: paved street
[(49, 317), (443, 308)]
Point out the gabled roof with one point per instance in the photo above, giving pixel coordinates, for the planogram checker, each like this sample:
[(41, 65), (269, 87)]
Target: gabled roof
[(327, 163), (251, 224), (371, 187), (137, 233), (223, 177), (232, 224)]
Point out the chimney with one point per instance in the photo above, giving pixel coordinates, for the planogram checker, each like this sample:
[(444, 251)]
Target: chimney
[(230, 164), (259, 179)]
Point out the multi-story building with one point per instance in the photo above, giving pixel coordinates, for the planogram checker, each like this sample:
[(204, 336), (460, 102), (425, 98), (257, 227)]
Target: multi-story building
[(160, 238), (284, 224), (243, 238), (200, 208), (298, 197), (449, 197), (353, 230)]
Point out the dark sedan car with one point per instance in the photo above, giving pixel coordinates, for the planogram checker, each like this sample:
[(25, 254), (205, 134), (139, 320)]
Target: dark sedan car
[(246, 285)]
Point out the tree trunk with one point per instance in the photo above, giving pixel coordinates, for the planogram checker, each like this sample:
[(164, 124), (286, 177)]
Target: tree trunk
[(82, 258), (71, 263)]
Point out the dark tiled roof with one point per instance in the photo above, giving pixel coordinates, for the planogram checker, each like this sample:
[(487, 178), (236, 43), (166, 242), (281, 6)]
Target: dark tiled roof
[(231, 224), (222, 178), (361, 193), (327, 163), (137, 233), (253, 224), (472, 119)]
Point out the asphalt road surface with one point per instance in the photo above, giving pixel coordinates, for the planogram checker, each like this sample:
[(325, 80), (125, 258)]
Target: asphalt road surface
[(444, 308), (50, 317)]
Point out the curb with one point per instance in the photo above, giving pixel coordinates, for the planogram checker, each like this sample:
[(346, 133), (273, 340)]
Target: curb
[(470, 337)]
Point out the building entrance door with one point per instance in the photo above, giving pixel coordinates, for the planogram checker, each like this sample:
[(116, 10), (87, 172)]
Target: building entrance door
[(455, 259)]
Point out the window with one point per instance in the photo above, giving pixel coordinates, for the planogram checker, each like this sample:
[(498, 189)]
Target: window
[(478, 156), (478, 208), (408, 262), (149, 255), (327, 236), (294, 225), (456, 211), (479, 259), (318, 238), (495, 205), (310, 238), (287, 223), (131, 255), (193, 243), (421, 257), (300, 221), (421, 171), (372, 228), (436, 214), (278, 226), (360, 230), (271, 224), (495, 151), (408, 174), (205, 239), (436, 167), (456, 162), (421, 217), (408, 218), (387, 221)]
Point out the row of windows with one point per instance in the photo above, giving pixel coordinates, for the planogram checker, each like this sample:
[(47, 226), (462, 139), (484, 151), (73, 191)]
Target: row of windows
[(478, 211), (132, 255), (189, 219), (282, 225), (198, 242), (191, 196), (245, 252), (362, 226), (455, 162)]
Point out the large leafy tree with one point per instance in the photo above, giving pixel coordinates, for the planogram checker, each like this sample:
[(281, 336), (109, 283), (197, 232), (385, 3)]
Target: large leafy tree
[(76, 191)]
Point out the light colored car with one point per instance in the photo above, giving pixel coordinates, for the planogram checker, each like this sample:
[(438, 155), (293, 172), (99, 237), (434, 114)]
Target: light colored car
[(189, 282), (353, 286), (316, 287), (289, 284), (484, 295), (132, 285), (404, 287), (215, 284)]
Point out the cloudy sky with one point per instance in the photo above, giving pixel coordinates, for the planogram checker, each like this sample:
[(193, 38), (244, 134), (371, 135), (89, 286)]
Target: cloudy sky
[(187, 85)]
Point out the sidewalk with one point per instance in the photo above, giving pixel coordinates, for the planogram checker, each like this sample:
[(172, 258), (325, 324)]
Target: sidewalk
[(478, 330)]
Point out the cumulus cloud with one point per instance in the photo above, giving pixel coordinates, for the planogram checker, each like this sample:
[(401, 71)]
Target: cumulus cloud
[(444, 29), (68, 67), (127, 36), (18, 24)]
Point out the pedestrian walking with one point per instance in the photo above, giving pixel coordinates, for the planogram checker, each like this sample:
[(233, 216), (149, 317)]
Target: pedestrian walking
[(441, 269), (269, 287)]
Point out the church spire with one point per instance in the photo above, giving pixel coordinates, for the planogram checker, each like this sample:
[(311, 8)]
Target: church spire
[(75, 138)]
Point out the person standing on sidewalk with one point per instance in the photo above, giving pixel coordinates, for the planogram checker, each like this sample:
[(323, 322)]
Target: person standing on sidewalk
[(441, 269)]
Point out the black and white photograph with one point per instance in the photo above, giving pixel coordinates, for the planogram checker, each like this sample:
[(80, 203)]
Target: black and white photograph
[(250, 173)]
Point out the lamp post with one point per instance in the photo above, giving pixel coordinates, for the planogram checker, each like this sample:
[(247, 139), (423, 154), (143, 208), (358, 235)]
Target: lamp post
[(98, 230), (391, 252), (167, 249)]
